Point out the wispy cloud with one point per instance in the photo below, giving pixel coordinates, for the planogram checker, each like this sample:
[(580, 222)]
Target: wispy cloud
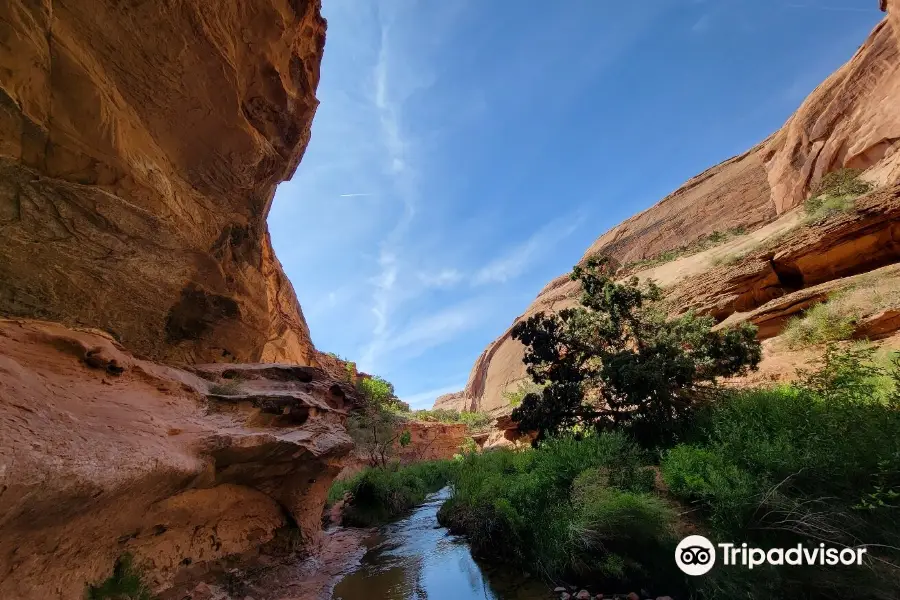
[(354, 195), (426, 399), (435, 329), (516, 260), (444, 278)]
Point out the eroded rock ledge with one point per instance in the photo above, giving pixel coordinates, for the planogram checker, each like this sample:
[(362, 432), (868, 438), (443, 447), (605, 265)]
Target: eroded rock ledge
[(102, 454)]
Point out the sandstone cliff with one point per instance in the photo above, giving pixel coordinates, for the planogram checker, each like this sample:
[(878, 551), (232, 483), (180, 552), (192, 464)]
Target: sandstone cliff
[(140, 147), (851, 120)]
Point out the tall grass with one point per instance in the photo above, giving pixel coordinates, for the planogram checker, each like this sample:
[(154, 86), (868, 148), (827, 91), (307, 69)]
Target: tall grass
[(829, 321), (380, 494)]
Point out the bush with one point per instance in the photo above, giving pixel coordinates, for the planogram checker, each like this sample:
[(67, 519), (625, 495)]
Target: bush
[(817, 461), (380, 494), (843, 182), (126, 583), (580, 507), (824, 322), (835, 194), (476, 422)]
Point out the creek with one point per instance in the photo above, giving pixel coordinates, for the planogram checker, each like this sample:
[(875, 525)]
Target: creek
[(416, 559)]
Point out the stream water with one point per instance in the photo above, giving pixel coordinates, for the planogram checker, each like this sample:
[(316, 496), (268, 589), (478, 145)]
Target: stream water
[(416, 559)]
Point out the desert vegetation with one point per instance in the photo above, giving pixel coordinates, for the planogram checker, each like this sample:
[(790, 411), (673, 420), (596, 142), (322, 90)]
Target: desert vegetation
[(126, 582), (837, 318), (377, 495), (811, 462), (706, 242), (618, 362), (835, 194), (638, 445), (475, 421)]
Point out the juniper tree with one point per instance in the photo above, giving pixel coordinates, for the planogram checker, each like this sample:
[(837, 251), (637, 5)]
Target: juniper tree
[(618, 361)]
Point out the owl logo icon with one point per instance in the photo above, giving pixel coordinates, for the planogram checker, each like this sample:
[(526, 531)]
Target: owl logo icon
[(695, 555)]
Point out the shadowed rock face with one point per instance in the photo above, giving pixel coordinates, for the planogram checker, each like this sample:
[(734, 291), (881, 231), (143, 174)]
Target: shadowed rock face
[(140, 147), (103, 454), (851, 120)]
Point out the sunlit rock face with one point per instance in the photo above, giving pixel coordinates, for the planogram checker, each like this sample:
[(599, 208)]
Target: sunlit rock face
[(851, 120), (140, 147)]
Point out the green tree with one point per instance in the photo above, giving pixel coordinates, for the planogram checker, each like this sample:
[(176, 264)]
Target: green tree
[(618, 361), (377, 425)]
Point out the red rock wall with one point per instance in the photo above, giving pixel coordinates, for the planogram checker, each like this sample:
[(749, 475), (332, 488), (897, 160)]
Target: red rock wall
[(140, 147)]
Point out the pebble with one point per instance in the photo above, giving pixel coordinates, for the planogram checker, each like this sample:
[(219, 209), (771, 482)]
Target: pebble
[(559, 590), (565, 596), (633, 596), (583, 595)]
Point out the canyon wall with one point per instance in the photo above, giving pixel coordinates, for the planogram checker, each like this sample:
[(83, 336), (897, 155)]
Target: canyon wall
[(851, 120), (140, 147)]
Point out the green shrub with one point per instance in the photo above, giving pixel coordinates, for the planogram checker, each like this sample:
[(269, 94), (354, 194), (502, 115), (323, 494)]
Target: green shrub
[(824, 322), (835, 195), (476, 422), (817, 461), (843, 182), (126, 583), (570, 506), (381, 494), (523, 388)]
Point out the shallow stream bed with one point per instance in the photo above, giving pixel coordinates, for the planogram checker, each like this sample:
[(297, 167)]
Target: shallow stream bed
[(416, 559)]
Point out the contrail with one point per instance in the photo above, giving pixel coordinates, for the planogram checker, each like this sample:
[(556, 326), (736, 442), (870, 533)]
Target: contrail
[(354, 195), (834, 8)]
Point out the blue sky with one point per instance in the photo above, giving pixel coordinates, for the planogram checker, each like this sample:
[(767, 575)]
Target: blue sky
[(466, 152)]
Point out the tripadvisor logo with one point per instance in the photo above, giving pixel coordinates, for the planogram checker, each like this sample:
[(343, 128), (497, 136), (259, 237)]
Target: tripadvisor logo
[(696, 555)]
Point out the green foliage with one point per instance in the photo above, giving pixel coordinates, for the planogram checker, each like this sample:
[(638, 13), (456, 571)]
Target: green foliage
[(824, 322), (405, 438), (817, 461), (705, 242), (469, 446), (376, 390), (126, 583), (377, 426), (475, 421), (617, 361), (523, 388), (835, 195), (570, 506), (378, 495), (843, 182)]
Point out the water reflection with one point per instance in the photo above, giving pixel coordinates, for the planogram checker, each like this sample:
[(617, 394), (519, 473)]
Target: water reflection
[(415, 559)]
